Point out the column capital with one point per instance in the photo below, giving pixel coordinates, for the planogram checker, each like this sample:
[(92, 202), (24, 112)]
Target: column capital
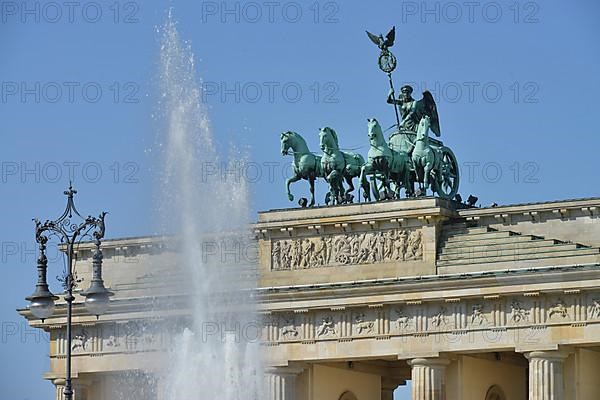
[(557, 355), (429, 362), (428, 378), (546, 375)]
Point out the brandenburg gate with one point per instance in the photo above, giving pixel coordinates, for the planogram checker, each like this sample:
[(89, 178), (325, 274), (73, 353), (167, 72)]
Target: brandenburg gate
[(355, 300)]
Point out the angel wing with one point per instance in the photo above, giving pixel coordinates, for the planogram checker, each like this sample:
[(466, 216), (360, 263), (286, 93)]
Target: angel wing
[(431, 110), (374, 38), (390, 37)]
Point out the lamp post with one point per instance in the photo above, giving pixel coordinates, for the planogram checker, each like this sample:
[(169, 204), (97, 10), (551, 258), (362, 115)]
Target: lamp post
[(69, 233)]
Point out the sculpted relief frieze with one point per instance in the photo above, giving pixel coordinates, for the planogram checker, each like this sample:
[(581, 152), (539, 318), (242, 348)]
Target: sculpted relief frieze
[(132, 336), (394, 245), (435, 317)]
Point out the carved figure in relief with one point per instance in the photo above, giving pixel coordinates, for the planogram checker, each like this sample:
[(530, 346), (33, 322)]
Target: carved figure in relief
[(389, 245), (518, 313), (414, 245), (477, 315), (362, 325), (400, 246), (80, 340), (559, 308), (316, 253), (342, 250), (327, 327), (306, 248), (595, 309), (296, 253), (365, 249), (112, 341), (276, 255), (289, 330), (439, 318), (402, 320), (381, 241), (286, 261), (328, 249)]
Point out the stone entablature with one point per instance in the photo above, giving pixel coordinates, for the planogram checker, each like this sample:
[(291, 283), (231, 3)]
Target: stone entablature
[(518, 310)]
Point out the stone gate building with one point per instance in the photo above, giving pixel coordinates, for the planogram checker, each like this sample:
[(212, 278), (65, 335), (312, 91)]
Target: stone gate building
[(497, 303)]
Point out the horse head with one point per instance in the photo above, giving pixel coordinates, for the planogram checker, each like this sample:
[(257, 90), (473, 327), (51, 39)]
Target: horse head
[(286, 141), (328, 139), (294, 141), (423, 128), (375, 132)]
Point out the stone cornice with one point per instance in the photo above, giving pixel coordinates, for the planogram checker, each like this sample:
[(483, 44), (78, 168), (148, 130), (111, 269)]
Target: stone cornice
[(557, 209), (361, 293), (434, 287), (401, 212)]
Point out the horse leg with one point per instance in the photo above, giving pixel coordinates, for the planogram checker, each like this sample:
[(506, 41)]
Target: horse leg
[(291, 180), (419, 173), (350, 186), (311, 182), (409, 185), (364, 183), (387, 185), (426, 176), (340, 189), (375, 187)]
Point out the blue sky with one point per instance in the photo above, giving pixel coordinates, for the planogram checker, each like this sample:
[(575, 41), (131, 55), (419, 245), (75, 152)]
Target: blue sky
[(516, 85)]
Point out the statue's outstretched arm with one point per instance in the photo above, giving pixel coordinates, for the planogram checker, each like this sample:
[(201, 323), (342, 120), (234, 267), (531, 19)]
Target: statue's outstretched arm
[(392, 100)]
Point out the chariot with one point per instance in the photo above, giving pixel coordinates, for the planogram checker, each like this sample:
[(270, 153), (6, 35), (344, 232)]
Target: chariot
[(444, 176)]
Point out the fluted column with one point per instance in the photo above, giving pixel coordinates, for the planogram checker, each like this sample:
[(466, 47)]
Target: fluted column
[(281, 383), (60, 388), (546, 378), (429, 378)]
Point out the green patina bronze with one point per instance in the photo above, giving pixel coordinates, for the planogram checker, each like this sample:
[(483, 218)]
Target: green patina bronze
[(337, 166), (409, 157), (306, 165), (384, 165)]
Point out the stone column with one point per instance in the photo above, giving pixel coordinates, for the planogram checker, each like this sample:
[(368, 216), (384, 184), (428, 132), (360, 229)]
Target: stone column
[(281, 383), (546, 379), (429, 378), (60, 388)]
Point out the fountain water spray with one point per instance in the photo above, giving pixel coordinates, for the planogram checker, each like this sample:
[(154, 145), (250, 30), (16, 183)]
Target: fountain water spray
[(217, 356)]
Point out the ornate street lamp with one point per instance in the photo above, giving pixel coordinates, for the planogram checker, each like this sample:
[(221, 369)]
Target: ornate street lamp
[(70, 234)]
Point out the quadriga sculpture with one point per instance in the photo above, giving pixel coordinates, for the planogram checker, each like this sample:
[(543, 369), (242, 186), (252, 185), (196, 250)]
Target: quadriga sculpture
[(429, 163)]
